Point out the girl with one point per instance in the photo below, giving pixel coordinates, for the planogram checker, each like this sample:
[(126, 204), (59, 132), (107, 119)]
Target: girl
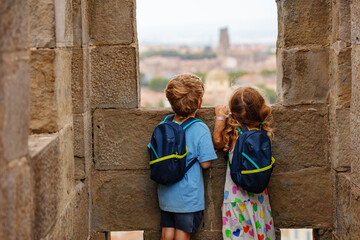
[(246, 215)]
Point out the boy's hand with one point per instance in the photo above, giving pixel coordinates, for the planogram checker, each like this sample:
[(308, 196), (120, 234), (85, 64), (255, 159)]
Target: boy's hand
[(221, 110)]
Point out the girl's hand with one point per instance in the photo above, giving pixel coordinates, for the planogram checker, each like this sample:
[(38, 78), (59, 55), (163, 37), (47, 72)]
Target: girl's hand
[(221, 110)]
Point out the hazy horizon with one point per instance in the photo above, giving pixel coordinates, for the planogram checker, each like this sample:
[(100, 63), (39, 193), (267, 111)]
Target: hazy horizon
[(198, 22)]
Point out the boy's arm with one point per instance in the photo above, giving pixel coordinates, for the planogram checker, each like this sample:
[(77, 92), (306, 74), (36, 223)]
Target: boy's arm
[(220, 121), (206, 151), (206, 164)]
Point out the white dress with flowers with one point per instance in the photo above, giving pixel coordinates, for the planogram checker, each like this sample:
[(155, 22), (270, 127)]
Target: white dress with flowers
[(245, 215)]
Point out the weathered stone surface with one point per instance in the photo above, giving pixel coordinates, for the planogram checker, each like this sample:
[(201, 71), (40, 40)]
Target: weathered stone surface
[(112, 21), (82, 134), (14, 25), (64, 23), (66, 160), (342, 206), (354, 211), (16, 201), (46, 168), (310, 204), (114, 77), (208, 235), (322, 234), (14, 105), (116, 131), (301, 137), (304, 22), (340, 80), (355, 22), (303, 76), (78, 85), (77, 22), (98, 236), (340, 151), (214, 179), (355, 116), (341, 21), (119, 131), (81, 212), (50, 73), (79, 168), (42, 24), (119, 205)]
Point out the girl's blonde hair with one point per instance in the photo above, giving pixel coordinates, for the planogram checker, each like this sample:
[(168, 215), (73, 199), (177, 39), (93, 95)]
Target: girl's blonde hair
[(247, 107), (184, 93)]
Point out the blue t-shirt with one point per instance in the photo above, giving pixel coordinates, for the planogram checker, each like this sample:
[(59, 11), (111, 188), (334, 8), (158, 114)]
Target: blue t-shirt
[(187, 195)]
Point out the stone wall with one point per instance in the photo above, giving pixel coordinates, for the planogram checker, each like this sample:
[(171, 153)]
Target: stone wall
[(73, 161)]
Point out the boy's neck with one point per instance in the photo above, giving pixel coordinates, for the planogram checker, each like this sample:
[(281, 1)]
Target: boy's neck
[(182, 119)]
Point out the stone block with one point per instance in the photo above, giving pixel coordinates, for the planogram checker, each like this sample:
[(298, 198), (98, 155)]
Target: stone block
[(79, 168), (16, 201), (310, 204), (301, 137), (81, 212), (124, 201), (119, 131), (355, 115), (112, 22), (304, 22), (64, 23), (340, 150), (50, 74), (66, 160), (340, 79), (303, 76), (14, 26), (42, 24), (341, 21), (14, 105), (354, 211), (342, 206), (113, 72), (208, 235), (322, 234), (45, 164), (355, 22), (79, 84), (99, 236), (77, 22), (82, 134)]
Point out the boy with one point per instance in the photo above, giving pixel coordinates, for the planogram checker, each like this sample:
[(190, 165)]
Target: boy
[(182, 203)]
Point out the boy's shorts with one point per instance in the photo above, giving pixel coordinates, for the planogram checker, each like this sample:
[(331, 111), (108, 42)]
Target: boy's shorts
[(187, 222)]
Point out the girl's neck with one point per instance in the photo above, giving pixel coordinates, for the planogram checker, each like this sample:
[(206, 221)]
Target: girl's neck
[(182, 119)]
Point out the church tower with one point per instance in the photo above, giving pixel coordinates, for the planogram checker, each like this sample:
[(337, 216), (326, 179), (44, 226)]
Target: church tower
[(224, 43)]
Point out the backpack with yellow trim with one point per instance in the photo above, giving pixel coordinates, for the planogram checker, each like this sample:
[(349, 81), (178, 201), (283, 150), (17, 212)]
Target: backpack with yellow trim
[(168, 151), (252, 162)]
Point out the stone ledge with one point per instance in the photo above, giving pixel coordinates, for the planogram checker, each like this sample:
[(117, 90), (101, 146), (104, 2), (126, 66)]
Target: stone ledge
[(301, 136)]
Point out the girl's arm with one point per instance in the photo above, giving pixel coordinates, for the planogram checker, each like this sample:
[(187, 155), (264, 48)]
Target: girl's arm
[(220, 120)]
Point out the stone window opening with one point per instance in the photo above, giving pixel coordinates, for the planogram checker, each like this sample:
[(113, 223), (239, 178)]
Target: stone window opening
[(224, 55)]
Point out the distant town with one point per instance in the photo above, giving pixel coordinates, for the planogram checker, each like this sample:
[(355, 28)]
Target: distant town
[(220, 68)]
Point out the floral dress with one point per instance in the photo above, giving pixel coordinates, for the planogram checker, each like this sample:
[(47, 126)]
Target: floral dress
[(245, 215)]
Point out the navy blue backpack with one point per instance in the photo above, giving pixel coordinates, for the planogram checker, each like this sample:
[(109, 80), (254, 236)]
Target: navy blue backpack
[(252, 162), (168, 151)]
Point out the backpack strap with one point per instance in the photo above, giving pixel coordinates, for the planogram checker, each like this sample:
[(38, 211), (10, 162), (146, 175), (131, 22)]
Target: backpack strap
[(189, 122), (168, 118), (190, 164)]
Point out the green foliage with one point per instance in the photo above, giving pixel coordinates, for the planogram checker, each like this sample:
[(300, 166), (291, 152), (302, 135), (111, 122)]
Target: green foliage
[(201, 75), (158, 84), (234, 75), (142, 79), (270, 94), (173, 53), (268, 72), (161, 104)]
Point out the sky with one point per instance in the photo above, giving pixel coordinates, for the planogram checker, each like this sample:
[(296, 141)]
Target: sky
[(197, 22)]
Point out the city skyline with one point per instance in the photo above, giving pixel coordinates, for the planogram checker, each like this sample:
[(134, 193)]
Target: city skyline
[(198, 22)]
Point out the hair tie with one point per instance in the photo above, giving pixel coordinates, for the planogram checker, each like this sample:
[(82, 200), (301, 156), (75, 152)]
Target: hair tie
[(262, 123)]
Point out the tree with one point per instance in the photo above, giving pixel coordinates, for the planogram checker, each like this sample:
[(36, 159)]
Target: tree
[(235, 75), (158, 84), (142, 79), (270, 94), (201, 75)]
